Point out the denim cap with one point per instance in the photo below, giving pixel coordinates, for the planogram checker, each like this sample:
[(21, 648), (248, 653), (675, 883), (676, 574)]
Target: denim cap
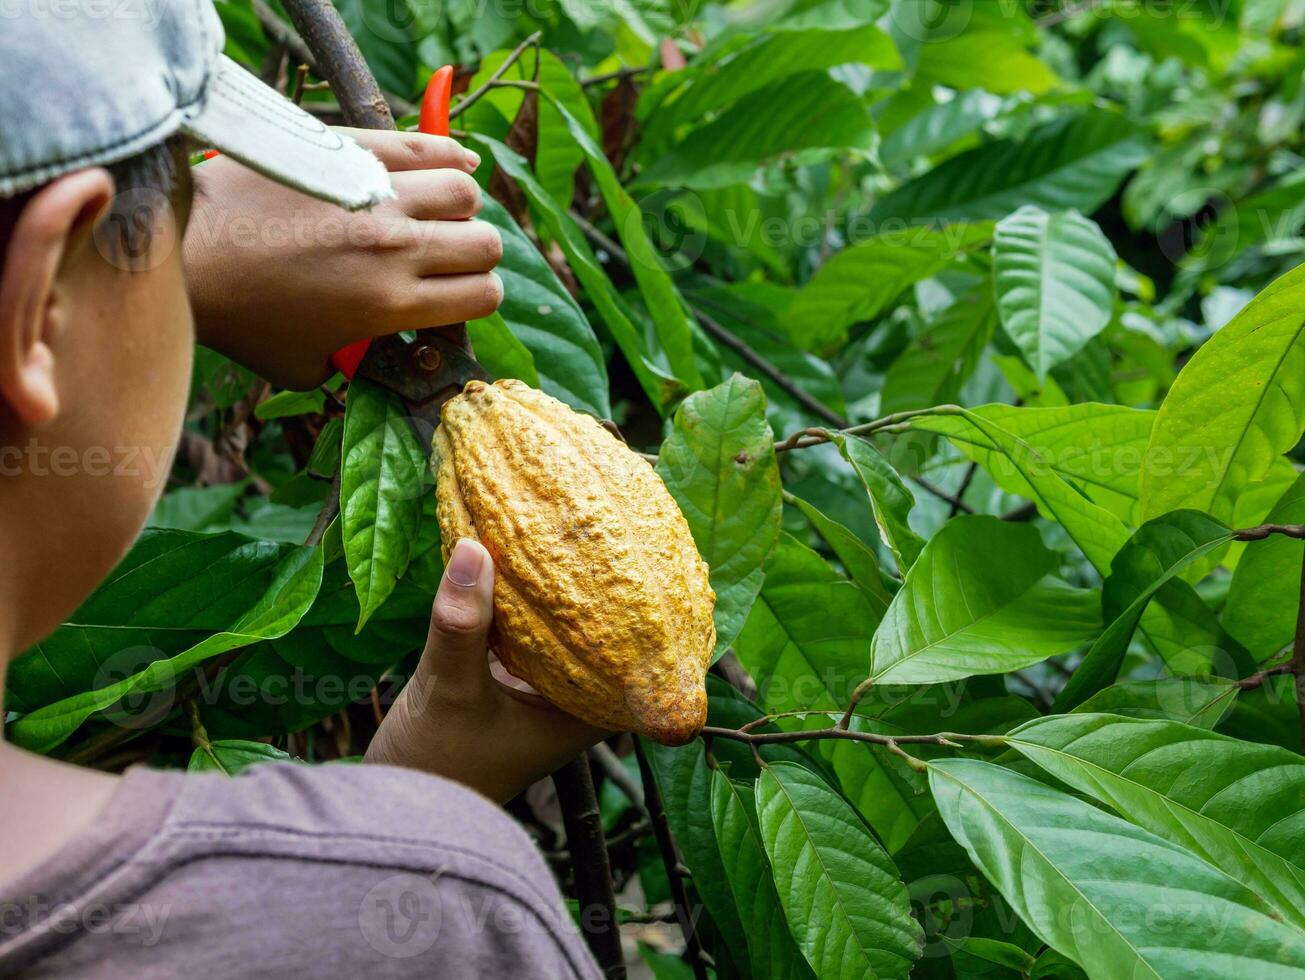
[(89, 82)]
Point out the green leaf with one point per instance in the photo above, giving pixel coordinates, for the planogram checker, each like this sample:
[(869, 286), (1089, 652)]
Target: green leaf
[(1118, 900), (232, 757), (954, 617), (1199, 701), (1055, 280), (1150, 562), (287, 403), (807, 640), (808, 111), (1265, 592), (177, 599), (831, 15), (544, 319), (719, 465), (1096, 449), (670, 316), (846, 905), (383, 475), (662, 389), (993, 60), (289, 683), (557, 157), (713, 83), (934, 366), (861, 563), (758, 315), (862, 280), (197, 508), (890, 500), (1238, 805), (1022, 467), (500, 352), (686, 785), (1076, 162), (937, 127), (771, 949), (1237, 405)]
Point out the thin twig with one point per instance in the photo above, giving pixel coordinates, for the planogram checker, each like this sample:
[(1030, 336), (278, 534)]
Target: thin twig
[(671, 859), (613, 769), (474, 96), (583, 820), (330, 508), (949, 740), (723, 335), (966, 480), (1298, 656), (1258, 679), (615, 76), (957, 504)]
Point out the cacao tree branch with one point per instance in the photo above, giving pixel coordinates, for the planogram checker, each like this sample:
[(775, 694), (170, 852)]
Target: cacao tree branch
[(1257, 679), (341, 63), (615, 76), (1262, 531), (949, 740), (583, 821), (1298, 655), (696, 955), (612, 768)]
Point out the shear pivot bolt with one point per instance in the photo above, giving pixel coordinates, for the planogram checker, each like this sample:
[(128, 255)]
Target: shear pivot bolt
[(428, 358)]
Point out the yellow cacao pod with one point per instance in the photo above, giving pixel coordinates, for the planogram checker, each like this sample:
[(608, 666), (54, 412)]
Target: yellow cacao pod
[(601, 602)]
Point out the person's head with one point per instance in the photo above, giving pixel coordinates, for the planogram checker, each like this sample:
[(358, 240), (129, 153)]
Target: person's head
[(96, 336)]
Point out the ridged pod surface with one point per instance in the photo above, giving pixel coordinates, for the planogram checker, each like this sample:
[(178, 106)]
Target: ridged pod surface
[(601, 601)]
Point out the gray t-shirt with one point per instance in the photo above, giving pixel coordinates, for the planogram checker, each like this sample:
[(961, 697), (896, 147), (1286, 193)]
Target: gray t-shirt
[(292, 871)]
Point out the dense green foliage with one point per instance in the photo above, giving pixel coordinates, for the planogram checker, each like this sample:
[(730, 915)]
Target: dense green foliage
[(1041, 261)]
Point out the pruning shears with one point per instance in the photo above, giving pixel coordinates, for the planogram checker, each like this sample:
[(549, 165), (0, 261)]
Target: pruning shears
[(429, 370)]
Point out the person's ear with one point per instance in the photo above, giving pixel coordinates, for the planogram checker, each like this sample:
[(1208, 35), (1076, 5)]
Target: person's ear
[(56, 225)]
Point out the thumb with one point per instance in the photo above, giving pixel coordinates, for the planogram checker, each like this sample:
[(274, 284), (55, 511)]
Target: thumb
[(461, 616)]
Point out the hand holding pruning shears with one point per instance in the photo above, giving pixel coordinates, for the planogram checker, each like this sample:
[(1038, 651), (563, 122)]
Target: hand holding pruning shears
[(279, 281)]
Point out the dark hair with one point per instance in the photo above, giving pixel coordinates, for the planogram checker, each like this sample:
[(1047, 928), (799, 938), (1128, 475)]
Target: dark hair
[(142, 183)]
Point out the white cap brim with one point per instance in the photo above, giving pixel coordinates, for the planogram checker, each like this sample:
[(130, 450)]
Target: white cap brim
[(251, 122)]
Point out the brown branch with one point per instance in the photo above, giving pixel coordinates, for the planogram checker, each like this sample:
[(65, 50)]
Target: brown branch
[(1258, 679), (583, 821), (612, 769), (1298, 656), (330, 508), (341, 63), (959, 503), (949, 740), (670, 853), (615, 76), (474, 96), (1262, 531), (715, 329), (720, 333)]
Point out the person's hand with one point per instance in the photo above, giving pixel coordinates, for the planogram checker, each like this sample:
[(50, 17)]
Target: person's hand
[(280, 281), (455, 718)]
